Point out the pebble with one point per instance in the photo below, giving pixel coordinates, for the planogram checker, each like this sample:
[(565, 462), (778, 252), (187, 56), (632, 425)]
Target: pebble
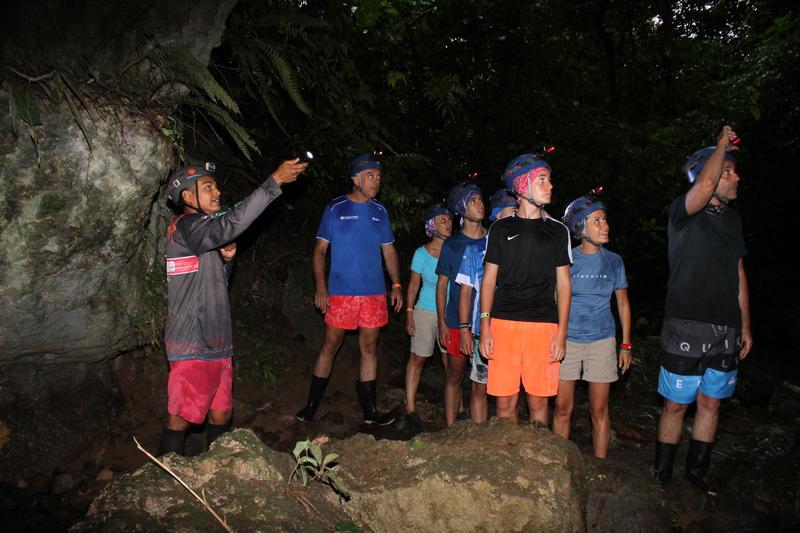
[(105, 474)]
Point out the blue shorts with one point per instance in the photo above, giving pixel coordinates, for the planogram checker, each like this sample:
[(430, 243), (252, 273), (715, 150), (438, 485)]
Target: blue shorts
[(683, 389)]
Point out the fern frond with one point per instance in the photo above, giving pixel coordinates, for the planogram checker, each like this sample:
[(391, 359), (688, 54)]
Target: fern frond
[(243, 140), (284, 71)]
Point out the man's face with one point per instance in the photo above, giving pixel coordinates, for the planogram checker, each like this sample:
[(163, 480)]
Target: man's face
[(370, 181), (597, 227), (728, 186), (475, 208), (542, 187), (207, 195), (443, 225)]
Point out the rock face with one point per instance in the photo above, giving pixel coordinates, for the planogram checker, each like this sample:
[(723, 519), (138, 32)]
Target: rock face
[(492, 477), (498, 476)]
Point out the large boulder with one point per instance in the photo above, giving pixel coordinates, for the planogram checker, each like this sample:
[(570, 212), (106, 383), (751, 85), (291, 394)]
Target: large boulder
[(498, 476)]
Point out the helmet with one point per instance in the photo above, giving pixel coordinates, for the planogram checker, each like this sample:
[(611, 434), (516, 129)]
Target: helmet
[(521, 165), (430, 218), (697, 161), (459, 195), (363, 162), (500, 200), (186, 176), (578, 210)]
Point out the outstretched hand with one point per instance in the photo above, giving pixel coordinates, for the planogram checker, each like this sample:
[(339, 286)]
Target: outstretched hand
[(288, 171)]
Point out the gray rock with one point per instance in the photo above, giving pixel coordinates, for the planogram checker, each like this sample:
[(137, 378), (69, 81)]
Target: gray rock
[(62, 483)]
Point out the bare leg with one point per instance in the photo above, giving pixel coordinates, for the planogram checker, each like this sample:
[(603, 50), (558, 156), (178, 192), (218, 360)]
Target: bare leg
[(478, 403), (601, 424), (507, 406), (368, 345), (445, 364), (706, 419), (670, 426), (452, 387), (330, 346), (565, 403), (537, 408), (177, 423), (219, 418), (413, 373)]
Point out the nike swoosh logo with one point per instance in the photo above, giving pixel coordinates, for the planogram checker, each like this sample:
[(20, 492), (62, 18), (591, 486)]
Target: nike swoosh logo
[(513, 237)]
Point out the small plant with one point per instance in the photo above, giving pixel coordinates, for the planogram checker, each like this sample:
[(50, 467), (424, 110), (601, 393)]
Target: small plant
[(312, 466)]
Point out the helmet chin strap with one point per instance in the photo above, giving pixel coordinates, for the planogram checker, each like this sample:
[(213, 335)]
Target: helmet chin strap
[(591, 241), (530, 199), (197, 209), (361, 190)]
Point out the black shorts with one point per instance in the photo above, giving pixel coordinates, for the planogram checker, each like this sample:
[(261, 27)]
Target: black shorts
[(689, 347)]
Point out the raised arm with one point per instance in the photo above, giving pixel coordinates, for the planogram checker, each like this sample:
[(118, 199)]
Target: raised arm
[(705, 185)]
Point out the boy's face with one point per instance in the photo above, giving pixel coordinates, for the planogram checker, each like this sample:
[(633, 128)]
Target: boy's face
[(542, 187), (475, 207), (208, 195)]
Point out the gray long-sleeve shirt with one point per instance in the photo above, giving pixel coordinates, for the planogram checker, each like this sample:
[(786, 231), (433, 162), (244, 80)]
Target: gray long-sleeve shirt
[(199, 316)]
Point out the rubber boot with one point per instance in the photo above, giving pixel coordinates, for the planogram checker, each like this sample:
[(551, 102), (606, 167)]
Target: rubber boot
[(414, 424), (665, 457), (367, 397), (213, 431), (171, 441), (698, 461), (315, 392)]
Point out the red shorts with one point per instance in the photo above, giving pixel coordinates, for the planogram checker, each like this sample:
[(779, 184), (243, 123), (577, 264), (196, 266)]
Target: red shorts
[(195, 386), (522, 351), (454, 346), (353, 312)]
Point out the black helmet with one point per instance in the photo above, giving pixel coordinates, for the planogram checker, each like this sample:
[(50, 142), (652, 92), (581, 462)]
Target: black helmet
[(186, 176)]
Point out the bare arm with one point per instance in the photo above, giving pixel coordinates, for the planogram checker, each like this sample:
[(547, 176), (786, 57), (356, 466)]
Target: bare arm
[(624, 309), (465, 334), (744, 306), (705, 185), (318, 262), (564, 299), (441, 304), (414, 283), (393, 267), (487, 300)]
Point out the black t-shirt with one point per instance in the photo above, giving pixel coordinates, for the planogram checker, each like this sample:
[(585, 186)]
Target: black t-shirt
[(704, 253), (527, 252)]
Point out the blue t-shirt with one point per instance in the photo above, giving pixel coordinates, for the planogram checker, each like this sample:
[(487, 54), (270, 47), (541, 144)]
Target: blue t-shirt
[(449, 261), (594, 278), (470, 273), (424, 264), (355, 232)]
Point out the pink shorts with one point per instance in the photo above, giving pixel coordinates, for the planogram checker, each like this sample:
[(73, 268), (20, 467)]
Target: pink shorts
[(353, 312), (196, 386)]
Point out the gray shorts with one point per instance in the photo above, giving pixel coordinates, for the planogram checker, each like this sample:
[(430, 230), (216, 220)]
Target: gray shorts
[(480, 366), (426, 332), (595, 362)]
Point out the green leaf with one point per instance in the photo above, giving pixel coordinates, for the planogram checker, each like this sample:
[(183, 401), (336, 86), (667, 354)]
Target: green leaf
[(417, 443), (26, 109), (316, 451), (300, 447), (340, 487), (346, 526), (330, 458), (306, 460), (304, 476)]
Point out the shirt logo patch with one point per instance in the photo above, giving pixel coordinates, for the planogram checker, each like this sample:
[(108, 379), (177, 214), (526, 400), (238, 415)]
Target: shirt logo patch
[(513, 237), (177, 266), (348, 217), (376, 219)]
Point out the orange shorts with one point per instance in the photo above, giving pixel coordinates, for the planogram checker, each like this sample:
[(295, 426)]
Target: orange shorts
[(522, 351)]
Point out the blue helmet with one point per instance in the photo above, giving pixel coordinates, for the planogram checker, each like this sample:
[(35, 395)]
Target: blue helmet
[(363, 162), (184, 177), (578, 210), (500, 200), (697, 161), (459, 195), (521, 165)]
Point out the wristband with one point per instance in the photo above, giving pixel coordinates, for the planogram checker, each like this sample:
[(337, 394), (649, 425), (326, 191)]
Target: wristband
[(626, 347), (464, 325), (486, 315), (397, 286), (410, 309)]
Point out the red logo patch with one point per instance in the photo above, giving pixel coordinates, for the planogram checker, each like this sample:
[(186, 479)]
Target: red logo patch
[(177, 266)]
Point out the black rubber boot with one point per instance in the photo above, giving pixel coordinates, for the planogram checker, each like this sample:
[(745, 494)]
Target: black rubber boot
[(665, 458), (414, 424), (315, 392), (213, 431), (698, 461), (367, 397), (171, 441)]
